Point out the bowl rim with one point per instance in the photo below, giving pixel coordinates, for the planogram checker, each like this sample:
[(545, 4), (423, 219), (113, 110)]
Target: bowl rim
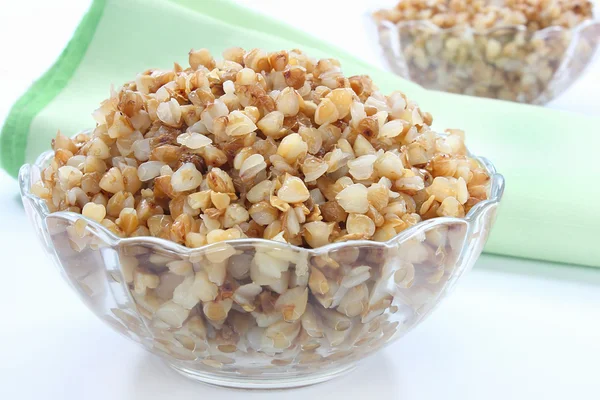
[(469, 30), (496, 191)]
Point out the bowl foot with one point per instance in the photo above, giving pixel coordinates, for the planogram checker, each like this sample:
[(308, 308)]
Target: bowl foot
[(261, 382)]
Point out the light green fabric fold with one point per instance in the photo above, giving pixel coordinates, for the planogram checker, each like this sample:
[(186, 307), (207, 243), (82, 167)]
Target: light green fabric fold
[(548, 157)]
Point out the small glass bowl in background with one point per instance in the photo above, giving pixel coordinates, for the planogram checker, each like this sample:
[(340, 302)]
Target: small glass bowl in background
[(326, 308), (507, 63)]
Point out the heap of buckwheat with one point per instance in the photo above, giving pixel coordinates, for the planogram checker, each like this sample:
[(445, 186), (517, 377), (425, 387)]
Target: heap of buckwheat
[(261, 145), (483, 15)]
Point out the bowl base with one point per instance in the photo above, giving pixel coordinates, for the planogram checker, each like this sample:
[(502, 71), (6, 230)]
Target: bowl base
[(257, 382)]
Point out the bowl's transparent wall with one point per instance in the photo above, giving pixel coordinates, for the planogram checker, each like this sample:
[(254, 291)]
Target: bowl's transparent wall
[(503, 63), (258, 310)]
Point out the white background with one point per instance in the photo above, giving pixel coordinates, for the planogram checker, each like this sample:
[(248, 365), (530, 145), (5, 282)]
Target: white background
[(513, 329)]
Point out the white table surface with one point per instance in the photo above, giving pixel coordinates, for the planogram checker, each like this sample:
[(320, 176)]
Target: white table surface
[(513, 329)]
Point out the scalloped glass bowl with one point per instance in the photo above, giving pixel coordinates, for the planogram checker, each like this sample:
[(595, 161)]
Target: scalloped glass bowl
[(366, 295), (505, 63)]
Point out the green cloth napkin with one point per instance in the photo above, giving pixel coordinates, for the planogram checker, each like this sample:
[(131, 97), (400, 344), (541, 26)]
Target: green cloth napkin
[(549, 158)]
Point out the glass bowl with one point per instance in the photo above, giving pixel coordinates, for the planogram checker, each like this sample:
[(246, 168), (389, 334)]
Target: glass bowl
[(205, 311), (507, 63)]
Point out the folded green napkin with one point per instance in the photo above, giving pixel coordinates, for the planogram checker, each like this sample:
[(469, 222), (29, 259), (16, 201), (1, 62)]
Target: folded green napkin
[(548, 157)]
